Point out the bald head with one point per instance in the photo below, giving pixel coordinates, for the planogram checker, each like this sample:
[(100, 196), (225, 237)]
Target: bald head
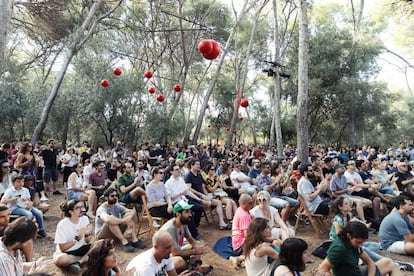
[(245, 201), (161, 237)]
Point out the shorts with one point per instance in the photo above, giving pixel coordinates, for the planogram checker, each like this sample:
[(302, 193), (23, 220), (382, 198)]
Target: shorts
[(364, 271), (279, 202), (50, 173), (105, 233), (126, 198), (81, 251), (397, 247), (72, 194)]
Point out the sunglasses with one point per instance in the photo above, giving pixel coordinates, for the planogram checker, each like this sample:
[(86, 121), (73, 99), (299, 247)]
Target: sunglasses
[(6, 167), (262, 199)]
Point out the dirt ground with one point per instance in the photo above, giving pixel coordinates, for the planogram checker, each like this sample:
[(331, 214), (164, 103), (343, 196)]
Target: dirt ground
[(222, 267)]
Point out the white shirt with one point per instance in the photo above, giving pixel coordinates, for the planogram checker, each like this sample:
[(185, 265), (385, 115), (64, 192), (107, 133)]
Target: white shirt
[(233, 177), (145, 264), (20, 203), (175, 186), (66, 232), (353, 177)]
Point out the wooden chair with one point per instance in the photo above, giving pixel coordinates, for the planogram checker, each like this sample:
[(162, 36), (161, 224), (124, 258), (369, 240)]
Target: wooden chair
[(315, 219), (146, 215)]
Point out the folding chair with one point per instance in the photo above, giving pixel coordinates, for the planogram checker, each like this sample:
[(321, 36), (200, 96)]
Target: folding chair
[(145, 214), (315, 219)]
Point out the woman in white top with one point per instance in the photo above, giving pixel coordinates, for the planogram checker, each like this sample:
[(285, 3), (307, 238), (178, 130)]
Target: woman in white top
[(77, 191), (264, 210), (256, 251), (69, 160)]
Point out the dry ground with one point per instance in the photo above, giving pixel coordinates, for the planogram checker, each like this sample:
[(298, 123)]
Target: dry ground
[(222, 267)]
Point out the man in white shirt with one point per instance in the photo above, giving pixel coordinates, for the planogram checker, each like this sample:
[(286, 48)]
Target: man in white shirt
[(241, 180), (157, 260)]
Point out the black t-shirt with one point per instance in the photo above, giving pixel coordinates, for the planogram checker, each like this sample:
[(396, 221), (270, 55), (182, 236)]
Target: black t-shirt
[(3, 155), (196, 181), (402, 177), (49, 157), (112, 174), (85, 156), (326, 171)]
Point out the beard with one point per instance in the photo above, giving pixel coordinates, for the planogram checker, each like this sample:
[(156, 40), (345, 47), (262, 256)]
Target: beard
[(185, 221), (112, 201)]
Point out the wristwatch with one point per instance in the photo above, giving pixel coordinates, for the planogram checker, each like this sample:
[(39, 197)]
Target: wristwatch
[(77, 238)]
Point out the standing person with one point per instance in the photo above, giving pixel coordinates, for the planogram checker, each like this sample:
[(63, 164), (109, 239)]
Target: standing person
[(73, 237), (102, 259), (345, 252), (157, 260), (159, 202), (129, 186), (5, 176), (115, 221), (292, 258), (50, 172), (68, 160), (77, 191), (256, 250), (18, 200), (17, 235)]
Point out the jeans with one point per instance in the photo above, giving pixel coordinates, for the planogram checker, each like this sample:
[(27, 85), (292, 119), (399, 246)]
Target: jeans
[(34, 212), (371, 248)]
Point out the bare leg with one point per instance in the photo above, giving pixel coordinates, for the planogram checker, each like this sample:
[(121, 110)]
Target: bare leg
[(387, 267), (116, 231), (285, 212), (64, 259), (219, 209)]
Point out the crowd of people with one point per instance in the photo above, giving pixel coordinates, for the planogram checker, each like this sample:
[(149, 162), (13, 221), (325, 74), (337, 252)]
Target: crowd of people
[(254, 191)]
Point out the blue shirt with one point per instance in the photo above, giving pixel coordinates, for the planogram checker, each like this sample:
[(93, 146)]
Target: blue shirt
[(393, 228)]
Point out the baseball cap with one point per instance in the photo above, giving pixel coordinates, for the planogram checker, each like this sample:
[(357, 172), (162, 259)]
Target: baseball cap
[(337, 166), (181, 205)]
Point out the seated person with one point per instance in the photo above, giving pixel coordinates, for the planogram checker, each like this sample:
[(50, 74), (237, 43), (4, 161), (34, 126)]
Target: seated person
[(345, 252), (241, 181), (157, 260), (129, 186), (102, 259), (98, 179), (257, 252), (77, 191), (159, 202), (178, 229), (263, 210), (73, 237), (395, 233), (115, 221), (292, 258), (28, 184), (18, 201)]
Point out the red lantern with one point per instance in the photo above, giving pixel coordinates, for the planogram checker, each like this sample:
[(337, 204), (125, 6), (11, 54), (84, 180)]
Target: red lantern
[(207, 106), (160, 98), (117, 71), (151, 90), (241, 118), (234, 131), (177, 88), (208, 125), (205, 46), (215, 52), (105, 83), (228, 129), (148, 74), (244, 103), (218, 125)]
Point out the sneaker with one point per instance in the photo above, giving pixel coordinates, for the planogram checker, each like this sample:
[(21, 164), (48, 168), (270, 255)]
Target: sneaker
[(404, 266), (42, 234), (138, 244), (44, 198), (155, 224), (128, 247), (57, 193), (75, 268)]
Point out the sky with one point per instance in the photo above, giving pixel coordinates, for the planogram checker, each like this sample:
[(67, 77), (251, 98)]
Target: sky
[(391, 67)]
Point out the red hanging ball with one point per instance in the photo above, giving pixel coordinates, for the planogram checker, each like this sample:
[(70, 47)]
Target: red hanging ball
[(218, 125), (117, 71), (215, 52), (208, 125), (244, 102), (241, 118), (228, 129), (105, 83), (151, 90), (207, 106), (148, 74), (160, 98), (177, 88), (205, 46)]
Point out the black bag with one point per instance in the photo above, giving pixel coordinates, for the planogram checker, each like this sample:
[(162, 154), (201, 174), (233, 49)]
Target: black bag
[(322, 250)]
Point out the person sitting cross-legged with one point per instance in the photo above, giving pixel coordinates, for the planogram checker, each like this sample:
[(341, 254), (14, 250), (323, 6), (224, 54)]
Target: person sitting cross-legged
[(114, 220)]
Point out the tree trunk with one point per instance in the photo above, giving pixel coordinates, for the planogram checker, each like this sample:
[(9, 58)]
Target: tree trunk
[(65, 130), (79, 38), (302, 109), (6, 10), (196, 135)]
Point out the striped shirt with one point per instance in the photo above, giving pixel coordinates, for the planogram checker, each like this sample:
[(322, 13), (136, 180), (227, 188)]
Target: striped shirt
[(10, 265)]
